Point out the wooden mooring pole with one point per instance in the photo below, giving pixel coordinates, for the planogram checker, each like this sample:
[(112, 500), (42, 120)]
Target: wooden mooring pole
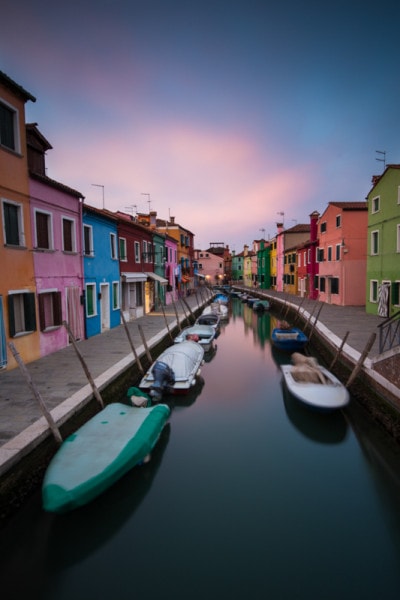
[(145, 343), (189, 309), (36, 393), (339, 351), (313, 325), (166, 323), (360, 362), (84, 365), (135, 354)]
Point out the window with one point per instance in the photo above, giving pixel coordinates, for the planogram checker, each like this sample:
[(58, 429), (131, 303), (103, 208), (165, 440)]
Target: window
[(9, 127), (145, 257), (14, 234), (43, 230), (322, 284), (122, 249), (323, 227), (373, 291), (68, 230), (21, 313), (137, 252), (50, 313), (320, 255), (337, 252), (115, 295), (334, 285), (375, 204), (338, 220), (375, 242), (329, 253), (88, 240), (113, 246), (91, 306)]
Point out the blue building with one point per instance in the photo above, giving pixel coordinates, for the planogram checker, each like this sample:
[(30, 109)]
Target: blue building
[(101, 271)]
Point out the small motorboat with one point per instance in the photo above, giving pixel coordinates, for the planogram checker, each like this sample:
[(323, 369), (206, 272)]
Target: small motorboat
[(202, 334), (99, 453), (219, 309), (261, 305), (291, 339), (322, 391), (221, 298), (175, 370), (209, 318)]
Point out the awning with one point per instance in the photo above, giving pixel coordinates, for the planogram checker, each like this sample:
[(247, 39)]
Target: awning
[(133, 277), (157, 278), (201, 275)]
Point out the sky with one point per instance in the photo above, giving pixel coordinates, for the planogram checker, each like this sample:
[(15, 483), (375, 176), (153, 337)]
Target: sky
[(228, 115)]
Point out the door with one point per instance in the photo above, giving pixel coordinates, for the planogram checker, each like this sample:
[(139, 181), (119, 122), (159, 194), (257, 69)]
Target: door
[(105, 306), (384, 299)]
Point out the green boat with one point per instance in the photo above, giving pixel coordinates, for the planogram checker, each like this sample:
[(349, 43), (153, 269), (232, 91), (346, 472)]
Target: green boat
[(99, 453)]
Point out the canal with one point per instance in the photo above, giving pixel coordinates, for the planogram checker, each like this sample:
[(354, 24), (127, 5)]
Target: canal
[(248, 495)]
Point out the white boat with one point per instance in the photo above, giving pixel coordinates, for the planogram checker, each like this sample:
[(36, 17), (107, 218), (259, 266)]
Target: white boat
[(216, 308), (202, 334), (209, 318), (328, 395), (175, 370)]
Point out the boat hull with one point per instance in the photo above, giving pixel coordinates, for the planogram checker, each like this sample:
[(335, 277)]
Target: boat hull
[(322, 396), (290, 340), (99, 453)]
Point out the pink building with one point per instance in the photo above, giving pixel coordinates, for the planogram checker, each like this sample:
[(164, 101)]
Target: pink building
[(341, 254), (56, 224)]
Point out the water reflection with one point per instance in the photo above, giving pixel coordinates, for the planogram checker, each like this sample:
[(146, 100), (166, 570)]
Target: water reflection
[(329, 428)]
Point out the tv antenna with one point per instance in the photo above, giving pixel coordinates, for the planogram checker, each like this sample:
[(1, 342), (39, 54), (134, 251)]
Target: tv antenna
[(382, 153)]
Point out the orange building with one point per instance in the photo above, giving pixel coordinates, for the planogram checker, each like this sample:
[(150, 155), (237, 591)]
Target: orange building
[(18, 310)]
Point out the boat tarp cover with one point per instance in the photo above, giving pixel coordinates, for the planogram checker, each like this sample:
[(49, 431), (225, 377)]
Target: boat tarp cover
[(99, 453)]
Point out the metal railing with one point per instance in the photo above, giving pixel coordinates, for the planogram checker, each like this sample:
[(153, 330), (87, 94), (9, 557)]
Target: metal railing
[(389, 333)]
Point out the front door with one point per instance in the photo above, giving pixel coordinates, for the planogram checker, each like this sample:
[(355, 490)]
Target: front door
[(105, 306), (384, 299)]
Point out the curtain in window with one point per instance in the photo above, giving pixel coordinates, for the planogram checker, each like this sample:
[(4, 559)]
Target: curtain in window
[(74, 311)]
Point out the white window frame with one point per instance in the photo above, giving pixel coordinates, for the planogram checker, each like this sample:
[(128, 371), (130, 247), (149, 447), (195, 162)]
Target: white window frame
[(113, 246), (137, 252), (337, 252), (92, 286), (49, 227), (329, 254), (88, 228), (123, 256), (375, 235), (115, 286), (73, 234), (17, 139), (373, 290), (375, 204), (338, 221), (21, 229)]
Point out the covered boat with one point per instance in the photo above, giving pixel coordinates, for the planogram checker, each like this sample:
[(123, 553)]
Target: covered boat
[(202, 334), (99, 453), (209, 318), (218, 309), (175, 370), (290, 340), (324, 391)]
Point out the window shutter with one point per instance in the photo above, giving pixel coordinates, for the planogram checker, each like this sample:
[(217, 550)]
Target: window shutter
[(42, 320), (57, 308), (11, 319), (30, 314)]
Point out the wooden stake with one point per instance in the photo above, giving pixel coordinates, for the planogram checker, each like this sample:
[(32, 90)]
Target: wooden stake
[(36, 393), (189, 309), (84, 365), (361, 359), (339, 351), (145, 343), (313, 325), (135, 354), (166, 323), (177, 317)]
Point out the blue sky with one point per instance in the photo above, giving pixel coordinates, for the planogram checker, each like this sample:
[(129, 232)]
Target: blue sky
[(225, 113)]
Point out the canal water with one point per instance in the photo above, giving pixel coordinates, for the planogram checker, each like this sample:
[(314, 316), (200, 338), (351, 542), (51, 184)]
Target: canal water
[(248, 496)]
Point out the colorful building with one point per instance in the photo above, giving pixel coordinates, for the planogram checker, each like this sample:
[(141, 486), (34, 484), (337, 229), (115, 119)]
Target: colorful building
[(56, 227), (383, 244), (341, 254), (18, 307)]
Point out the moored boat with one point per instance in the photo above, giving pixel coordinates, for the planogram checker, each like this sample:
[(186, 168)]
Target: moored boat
[(209, 318), (99, 453), (261, 305), (202, 334), (290, 340), (323, 391), (175, 370)]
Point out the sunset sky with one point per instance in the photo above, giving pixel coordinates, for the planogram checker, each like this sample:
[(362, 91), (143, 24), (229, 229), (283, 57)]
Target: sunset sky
[(223, 114)]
